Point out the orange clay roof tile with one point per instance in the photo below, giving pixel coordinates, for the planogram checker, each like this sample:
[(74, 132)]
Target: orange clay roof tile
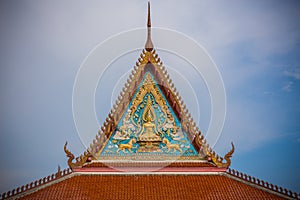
[(150, 187)]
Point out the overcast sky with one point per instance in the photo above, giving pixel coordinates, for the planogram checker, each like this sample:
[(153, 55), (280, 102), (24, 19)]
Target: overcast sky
[(255, 44)]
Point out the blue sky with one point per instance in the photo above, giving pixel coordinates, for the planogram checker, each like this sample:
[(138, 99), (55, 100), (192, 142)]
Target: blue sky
[(255, 44)]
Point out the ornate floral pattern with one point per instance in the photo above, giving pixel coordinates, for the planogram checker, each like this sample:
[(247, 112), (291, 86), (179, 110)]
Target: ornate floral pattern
[(149, 126)]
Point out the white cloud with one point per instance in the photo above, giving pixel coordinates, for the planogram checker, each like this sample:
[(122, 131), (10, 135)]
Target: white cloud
[(288, 86), (248, 126), (293, 72)]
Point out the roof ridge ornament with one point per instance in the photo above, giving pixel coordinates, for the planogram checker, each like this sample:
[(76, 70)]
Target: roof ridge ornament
[(149, 44)]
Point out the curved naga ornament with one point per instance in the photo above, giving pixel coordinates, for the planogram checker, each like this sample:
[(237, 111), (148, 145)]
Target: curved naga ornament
[(79, 161), (218, 160)]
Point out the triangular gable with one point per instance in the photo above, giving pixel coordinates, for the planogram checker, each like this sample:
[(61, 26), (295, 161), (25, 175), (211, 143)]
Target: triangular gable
[(148, 127), (149, 62)]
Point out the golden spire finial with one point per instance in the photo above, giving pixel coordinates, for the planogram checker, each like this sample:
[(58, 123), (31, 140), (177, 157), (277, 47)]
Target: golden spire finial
[(149, 17), (149, 44)]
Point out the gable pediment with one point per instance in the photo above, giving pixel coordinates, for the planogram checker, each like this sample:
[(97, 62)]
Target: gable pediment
[(148, 127)]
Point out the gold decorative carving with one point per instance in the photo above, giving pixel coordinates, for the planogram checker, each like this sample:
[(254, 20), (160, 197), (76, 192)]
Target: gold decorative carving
[(209, 154), (109, 127), (218, 160), (128, 146), (149, 131), (149, 56), (171, 146), (203, 150), (149, 87), (126, 129), (79, 161)]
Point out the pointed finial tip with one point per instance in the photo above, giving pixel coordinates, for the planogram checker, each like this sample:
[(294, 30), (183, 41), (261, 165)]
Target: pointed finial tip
[(149, 44), (149, 15)]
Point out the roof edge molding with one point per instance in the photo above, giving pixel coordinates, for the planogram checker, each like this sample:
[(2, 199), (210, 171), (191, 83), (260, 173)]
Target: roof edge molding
[(252, 181), (38, 184)]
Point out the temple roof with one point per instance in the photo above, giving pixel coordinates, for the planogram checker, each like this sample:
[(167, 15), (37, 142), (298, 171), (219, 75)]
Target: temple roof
[(149, 147), (181, 185), (150, 187)]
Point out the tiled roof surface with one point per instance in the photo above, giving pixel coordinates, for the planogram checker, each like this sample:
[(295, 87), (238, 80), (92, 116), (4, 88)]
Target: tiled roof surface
[(150, 187)]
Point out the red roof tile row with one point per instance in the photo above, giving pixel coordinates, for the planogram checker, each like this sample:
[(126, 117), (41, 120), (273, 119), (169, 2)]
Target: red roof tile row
[(150, 187)]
